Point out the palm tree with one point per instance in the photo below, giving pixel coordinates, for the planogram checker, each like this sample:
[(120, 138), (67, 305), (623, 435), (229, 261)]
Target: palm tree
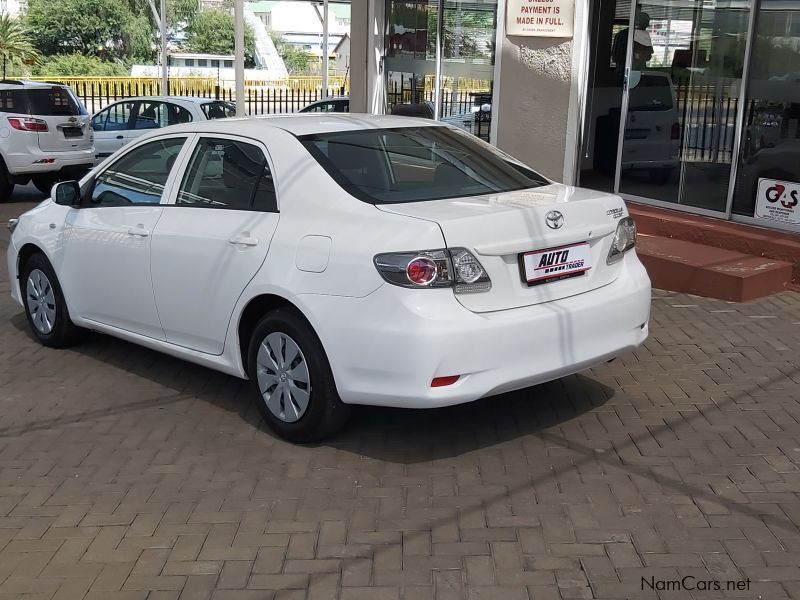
[(14, 44)]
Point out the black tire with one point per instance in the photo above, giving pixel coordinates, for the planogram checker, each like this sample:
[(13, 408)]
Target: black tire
[(63, 332), (325, 413), (45, 183), (6, 185)]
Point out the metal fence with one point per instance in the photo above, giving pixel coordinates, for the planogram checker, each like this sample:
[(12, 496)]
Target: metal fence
[(262, 97), (467, 107)]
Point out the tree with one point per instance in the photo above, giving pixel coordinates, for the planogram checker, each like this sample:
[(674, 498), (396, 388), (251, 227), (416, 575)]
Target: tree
[(14, 44), (211, 32), (297, 62), (79, 65), (102, 28)]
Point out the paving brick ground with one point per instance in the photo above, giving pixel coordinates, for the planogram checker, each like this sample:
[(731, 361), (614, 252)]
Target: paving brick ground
[(125, 474)]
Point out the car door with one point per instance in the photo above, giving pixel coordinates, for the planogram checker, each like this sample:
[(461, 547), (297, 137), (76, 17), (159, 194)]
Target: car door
[(106, 254), (112, 128), (210, 243)]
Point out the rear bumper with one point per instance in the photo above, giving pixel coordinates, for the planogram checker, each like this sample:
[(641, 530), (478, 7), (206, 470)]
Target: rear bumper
[(386, 349), (25, 163)]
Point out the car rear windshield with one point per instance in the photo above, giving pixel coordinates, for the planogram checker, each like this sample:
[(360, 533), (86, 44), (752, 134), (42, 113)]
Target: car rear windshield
[(414, 164), (45, 102)]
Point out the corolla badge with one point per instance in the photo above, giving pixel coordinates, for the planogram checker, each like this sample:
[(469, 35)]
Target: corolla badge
[(554, 219)]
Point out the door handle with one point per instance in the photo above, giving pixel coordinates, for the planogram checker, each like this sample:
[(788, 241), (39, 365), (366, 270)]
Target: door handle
[(138, 231), (243, 240), (120, 137)]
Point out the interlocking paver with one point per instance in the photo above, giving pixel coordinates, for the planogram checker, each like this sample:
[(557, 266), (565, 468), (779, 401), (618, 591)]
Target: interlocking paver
[(129, 475)]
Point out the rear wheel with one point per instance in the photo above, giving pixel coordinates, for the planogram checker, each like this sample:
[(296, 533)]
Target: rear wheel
[(290, 374), (45, 306), (6, 185)]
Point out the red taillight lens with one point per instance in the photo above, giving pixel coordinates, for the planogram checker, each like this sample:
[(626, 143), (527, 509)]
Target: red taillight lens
[(27, 124), (444, 381), (676, 131), (421, 271)]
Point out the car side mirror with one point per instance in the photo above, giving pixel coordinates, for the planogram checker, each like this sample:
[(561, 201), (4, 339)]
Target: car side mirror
[(66, 193)]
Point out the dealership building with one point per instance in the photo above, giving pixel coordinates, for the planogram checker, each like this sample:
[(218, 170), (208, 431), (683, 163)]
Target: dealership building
[(689, 109)]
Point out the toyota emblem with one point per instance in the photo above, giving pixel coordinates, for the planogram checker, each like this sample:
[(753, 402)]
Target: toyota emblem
[(554, 219)]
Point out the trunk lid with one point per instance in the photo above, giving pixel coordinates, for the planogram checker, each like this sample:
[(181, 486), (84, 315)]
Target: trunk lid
[(499, 228)]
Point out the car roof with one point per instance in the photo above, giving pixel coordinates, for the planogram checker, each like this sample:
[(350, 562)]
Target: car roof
[(302, 124), (27, 84), (190, 99)]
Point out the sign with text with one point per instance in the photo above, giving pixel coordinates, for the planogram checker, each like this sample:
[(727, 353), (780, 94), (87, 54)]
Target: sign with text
[(778, 201), (542, 18)]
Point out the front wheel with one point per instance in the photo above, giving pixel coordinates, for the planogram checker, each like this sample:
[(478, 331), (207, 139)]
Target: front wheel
[(45, 306), (289, 371)]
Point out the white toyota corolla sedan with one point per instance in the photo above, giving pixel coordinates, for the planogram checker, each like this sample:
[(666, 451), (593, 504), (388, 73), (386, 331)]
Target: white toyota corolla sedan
[(335, 260)]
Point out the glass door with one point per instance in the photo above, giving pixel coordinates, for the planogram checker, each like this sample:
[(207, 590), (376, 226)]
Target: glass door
[(685, 64), (440, 60), (468, 35), (768, 178), (410, 62)]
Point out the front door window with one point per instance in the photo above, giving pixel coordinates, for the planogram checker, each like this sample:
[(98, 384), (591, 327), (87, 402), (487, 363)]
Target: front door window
[(138, 177)]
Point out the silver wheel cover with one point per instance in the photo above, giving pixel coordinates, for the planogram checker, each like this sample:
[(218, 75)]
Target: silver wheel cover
[(41, 302), (283, 379)]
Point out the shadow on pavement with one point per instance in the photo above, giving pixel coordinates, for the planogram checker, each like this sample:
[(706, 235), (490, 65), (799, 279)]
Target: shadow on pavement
[(388, 434)]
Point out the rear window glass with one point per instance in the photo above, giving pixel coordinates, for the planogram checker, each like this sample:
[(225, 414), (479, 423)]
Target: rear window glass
[(413, 164), (46, 102)]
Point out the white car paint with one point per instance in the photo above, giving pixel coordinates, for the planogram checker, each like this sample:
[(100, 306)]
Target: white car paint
[(111, 133), (178, 279)]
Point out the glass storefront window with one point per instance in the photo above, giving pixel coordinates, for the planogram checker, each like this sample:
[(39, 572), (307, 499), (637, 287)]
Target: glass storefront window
[(770, 149), (461, 41), (686, 64)]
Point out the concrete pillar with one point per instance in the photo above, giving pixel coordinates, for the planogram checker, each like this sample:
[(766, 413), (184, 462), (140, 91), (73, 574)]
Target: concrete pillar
[(532, 97), (359, 38)]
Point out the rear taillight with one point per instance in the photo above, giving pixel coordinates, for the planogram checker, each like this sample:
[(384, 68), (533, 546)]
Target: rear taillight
[(675, 134), (624, 240), (27, 124), (456, 268)]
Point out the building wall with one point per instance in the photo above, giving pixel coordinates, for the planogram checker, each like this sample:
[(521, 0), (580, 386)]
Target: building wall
[(531, 107)]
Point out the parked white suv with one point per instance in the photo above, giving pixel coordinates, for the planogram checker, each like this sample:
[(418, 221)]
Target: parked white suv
[(45, 135)]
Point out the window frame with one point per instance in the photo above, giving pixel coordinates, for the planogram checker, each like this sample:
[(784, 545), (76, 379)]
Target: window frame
[(189, 150), (87, 189)]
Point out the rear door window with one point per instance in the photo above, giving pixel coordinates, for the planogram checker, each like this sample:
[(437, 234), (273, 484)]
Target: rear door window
[(218, 110), (151, 115), (228, 174)]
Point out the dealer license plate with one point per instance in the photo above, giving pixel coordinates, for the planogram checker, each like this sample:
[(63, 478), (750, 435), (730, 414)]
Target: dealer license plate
[(554, 264)]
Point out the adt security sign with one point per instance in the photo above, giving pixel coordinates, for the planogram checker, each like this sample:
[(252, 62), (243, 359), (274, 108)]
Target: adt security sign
[(540, 18), (778, 201)]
